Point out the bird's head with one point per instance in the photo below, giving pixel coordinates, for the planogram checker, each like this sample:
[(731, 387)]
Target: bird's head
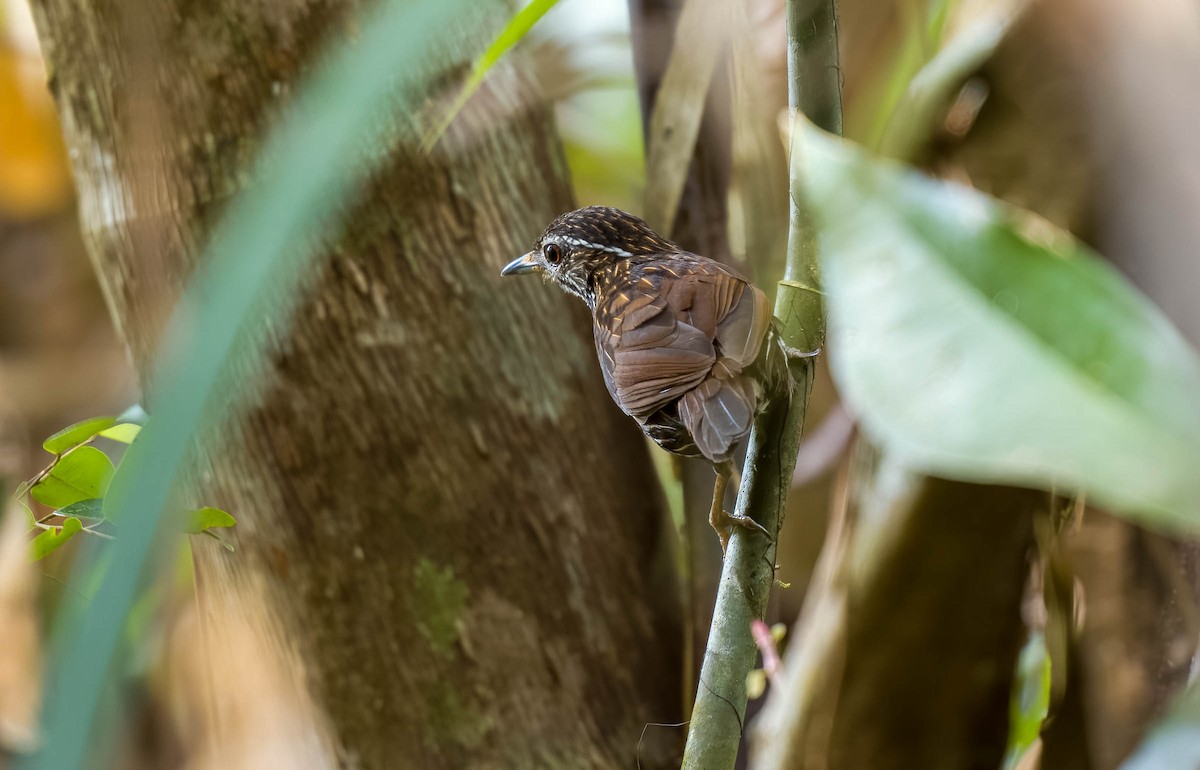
[(579, 246)]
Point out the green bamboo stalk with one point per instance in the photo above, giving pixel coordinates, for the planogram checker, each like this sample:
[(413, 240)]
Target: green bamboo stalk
[(718, 718)]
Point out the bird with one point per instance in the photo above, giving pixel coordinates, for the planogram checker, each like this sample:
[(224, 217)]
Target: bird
[(687, 345)]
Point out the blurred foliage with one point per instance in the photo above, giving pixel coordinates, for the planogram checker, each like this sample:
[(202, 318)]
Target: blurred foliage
[(34, 179), (917, 36), (980, 343), (75, 483), (582, 60), (1030, 699)]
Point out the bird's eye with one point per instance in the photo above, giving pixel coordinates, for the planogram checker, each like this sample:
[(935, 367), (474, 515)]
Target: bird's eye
[(553, 253)]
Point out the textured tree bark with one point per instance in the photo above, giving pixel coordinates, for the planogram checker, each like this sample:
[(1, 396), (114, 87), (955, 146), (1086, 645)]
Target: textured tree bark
[(449, 550)]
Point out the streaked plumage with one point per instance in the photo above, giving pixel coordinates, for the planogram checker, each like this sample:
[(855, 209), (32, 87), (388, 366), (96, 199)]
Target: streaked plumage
[(687, 345)]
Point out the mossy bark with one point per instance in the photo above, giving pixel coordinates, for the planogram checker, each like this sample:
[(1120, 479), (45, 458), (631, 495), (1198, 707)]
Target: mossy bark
[(449, 541)]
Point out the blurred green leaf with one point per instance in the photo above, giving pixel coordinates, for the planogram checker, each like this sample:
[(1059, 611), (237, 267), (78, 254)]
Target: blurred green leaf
[(917, 32), (51, 540), (978, 342), (1030, 699), (125, 432), (300, 192), (201, 519), (931, 90), (514, 31), (82, 474), (76, 434)]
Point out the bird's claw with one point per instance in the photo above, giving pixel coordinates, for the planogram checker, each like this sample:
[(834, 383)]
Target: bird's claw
[(727, 521), (747, 523)]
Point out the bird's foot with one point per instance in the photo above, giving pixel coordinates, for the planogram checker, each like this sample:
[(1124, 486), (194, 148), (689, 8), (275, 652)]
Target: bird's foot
[(796, 354), (724, 522), (721, 520)]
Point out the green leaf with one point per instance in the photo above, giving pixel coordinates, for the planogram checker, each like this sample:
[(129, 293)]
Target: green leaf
[(76, 434), (514, 31), (932, 89), (51, 540), (81, 474), (980, 343), (84, 509), (125, 432), (201, 519), (1030, 699)]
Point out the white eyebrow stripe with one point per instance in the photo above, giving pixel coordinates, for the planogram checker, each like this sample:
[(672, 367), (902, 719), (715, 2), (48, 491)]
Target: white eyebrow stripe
[(597, 246)]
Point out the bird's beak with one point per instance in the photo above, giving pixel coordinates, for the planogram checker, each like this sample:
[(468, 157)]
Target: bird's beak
[(522, 264)]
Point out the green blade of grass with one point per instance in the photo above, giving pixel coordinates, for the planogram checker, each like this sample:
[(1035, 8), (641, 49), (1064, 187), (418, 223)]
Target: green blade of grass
[(516, 29), (278, 220)]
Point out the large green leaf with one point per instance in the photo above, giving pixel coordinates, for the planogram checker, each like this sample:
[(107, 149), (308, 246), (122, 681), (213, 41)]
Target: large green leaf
[(981, 343), (83, 474)]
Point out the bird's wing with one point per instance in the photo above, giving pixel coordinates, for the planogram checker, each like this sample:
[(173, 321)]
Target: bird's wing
[(661, 333), (736, 315), (725, 306), (650, 356)]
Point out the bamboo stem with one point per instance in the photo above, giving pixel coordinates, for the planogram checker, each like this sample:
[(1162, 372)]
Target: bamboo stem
[(718, 718)]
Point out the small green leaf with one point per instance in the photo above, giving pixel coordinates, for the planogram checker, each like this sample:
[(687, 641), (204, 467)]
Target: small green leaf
[(51, 539), (980, 343), (202, 519), (84, 509), (125, 432), (76, 434), (81, 474), (513, 32)]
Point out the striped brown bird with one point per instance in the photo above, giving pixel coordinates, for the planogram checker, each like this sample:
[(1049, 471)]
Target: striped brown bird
[(687, 345)]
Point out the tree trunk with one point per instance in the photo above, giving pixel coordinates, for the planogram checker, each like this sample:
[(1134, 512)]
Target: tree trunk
[(905, 651), (450, 549)]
